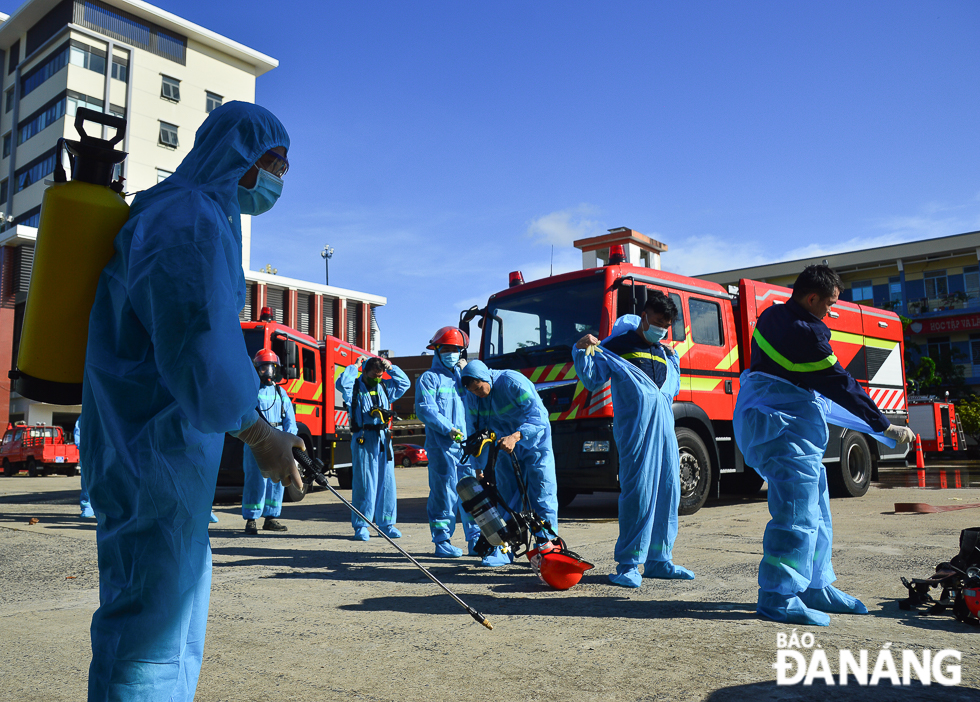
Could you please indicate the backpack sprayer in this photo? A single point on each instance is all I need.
(958, 580)
(501, 527)
(315, 468)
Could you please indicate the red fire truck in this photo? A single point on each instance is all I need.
(532, 327)
(310, 369)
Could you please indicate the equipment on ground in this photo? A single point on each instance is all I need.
(958, 580)
(501, 527)
(79, 221)
(315, 469)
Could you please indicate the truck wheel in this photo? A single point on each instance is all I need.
(695, 470)
(345, 478)
(745, 484)
(31, 467)
(851, 477)
(70, 470)
(8, 470)
(565, 497)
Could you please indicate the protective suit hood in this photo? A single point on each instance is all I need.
(478, 370)
(231, 140)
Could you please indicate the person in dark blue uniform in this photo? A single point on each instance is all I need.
(794, 382)
(645, 378)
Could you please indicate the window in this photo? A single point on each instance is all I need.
(3, 194)
(894, 289)
(6, 145)
(36, 77)
(162, 175)
(705, 322)
(971, 280)
(309, 364)
(936, 286)
(212, 101)
(76, 100)
(168, 135)
(14, 57)
(117, 111)
(46, 116)
(36, 170)
(9, 101)
(120, 69)
(861, 291)
(31, 218)
(170, 89)
(87, 57)
(121, 25)
(677, 332)
(940, 349)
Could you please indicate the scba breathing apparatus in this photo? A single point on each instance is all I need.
(958, 580)
(501, 527)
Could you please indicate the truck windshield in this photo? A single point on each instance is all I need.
(545, 318)
(254, 339)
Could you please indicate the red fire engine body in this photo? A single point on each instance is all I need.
(532, 327)
(310, 370)
(936, 424)
(37, 449)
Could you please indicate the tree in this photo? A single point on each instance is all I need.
(968, 411)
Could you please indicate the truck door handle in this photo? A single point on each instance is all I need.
(883, 324)
(728, 386)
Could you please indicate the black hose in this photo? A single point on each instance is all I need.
(312, 466)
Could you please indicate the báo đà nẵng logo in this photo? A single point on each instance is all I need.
(800, 660)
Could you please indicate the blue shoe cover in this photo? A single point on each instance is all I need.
(666, 570)
(789, 609)
(214, 517)
(470, 547)
(391, 532)
(444, 549)
(830, 599)
(88, 512)
(626, 576)
(497, 558)
(362, 534)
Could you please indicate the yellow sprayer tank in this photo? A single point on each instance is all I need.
(79, 222)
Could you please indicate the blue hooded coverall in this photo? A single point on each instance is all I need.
(166, 375)
(373, 488)
(514, 405)
(439, 405)
(643, 389)
(83, 499)
(262, 497)
(785, 397)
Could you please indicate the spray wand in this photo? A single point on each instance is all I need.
(315, 467)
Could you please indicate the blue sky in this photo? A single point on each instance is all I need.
(439, 145)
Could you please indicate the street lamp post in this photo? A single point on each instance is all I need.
(327, 254)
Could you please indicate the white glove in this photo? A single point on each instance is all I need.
(902, 435)
(462, 363)
(273, 451)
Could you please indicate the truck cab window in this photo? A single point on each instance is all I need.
(309, 365)
(706, 322)
(677, 332)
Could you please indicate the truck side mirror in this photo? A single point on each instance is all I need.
(639, 298)
(292, 360)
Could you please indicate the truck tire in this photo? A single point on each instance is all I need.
(565, 497)
(851, 476)
(345, 478)
(70, 470)
(8, 468)
(31, 467)
(695, 465)
(745, 484)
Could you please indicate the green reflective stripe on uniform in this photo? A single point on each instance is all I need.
(641, 354)
(779, 358)
(258, 506)
(441, 390)
(439, 525)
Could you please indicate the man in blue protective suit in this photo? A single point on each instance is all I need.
(369, 397)
(645, 378)
(508, 404)
(261, 496)
(166, 375)
(439, 405)
(794, 383)
(83, 499)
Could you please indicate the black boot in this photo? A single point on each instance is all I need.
(251, 527)
(272, 524)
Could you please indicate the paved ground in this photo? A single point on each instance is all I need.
(312, 615)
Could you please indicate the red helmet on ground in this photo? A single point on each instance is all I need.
(449, 336)
(265, 356)
(563, 569)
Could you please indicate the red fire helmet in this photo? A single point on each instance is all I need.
(265, 356)
(561, 568)
(449, 336)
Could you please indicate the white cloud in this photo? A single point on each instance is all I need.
(563, 227)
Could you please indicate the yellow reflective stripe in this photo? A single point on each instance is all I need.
(728, 361)
(641, 354)
(536, 373)
(699, 384)
(553, 417)
(880, 343)
(304, 409)
(683, 347)
(554, 372)
(846, 338)
(779, 358)
(319, 392)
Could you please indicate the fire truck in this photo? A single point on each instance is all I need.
(532, 327)
(310, 372)
(38, 449)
